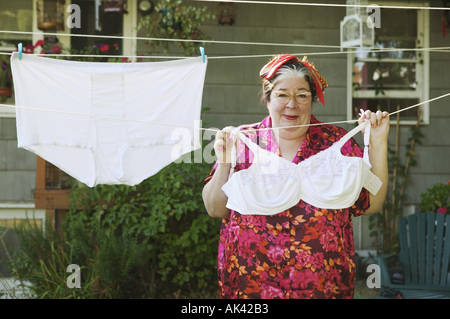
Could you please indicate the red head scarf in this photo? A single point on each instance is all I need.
(270, 68)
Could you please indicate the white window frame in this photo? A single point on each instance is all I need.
(130, 31)
(422, 70)
(7, 112)
(22, 212)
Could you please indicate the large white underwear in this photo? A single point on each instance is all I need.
(113, 142)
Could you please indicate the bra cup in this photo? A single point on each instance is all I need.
(277, 183)
(333, 179)
(269, 184)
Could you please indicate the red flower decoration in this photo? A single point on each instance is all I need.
(104, 48)
(56, 49)
(39, 43)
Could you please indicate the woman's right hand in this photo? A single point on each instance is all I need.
(213, 196)
(224, 144)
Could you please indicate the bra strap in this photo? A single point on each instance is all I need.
(350, 134)
(234, 134)
(353, 132)
(251, 145)
(366, 142)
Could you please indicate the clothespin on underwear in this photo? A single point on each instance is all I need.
(202, 51)
(19, 49)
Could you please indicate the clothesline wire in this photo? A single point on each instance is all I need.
(105, 55)
(209, 129)
(327, 4)
(354, 121)
(435, 49)
(102, 117)
(360, 50)
(169, 40)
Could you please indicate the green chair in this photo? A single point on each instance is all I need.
(424, 258)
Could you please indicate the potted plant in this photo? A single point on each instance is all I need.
(436, 199)
(5, 77)
(172, 19)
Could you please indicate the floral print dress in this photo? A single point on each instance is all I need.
(303, 252)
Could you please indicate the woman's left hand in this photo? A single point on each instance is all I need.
(379, 125)
(378, 152)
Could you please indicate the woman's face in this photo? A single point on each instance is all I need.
(294, 112)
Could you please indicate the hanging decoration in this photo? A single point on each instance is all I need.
(227, 13)
(355, 31)
(445, 20)
(145, 6)
(50, 15)
(167, 19)
(115, 6)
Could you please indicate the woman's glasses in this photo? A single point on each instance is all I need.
(300, 98)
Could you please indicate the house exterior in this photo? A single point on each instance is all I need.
(241, 44)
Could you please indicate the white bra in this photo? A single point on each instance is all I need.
(327, 179)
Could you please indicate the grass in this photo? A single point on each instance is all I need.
(364, 292)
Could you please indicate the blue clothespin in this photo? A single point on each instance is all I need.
(202, 51)
(19, 49)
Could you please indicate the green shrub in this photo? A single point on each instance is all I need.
(153, 240)
(436, 199)
(173, 19)
(106, 262)
(165, 213)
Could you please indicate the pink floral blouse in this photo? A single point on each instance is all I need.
(303, 252)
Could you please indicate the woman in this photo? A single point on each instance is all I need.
(304, 251)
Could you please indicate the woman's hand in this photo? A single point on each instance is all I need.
(213, 196)
(379, 132)
(224, 144)
(379, 125)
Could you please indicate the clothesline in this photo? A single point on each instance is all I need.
(351, 50)
(354, 121)
(103, 56)
(170, 40)
(212, 129)
(436, 49)
(328, 4)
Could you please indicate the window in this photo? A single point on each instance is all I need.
(16, 15)
(12, 216)
(110, 24)
(52, 186)
(392, 80)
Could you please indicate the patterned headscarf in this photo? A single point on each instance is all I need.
(270, 68)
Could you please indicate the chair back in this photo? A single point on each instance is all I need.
(425, 249)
